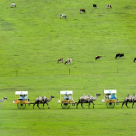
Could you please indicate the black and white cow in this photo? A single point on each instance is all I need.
(13, 5)
(108, 6)
(63, 15)
(98, 57)
(83, 10)
(94, 6)
(68, 61)
(119, 55)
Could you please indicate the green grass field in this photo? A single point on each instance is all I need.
(33, 37)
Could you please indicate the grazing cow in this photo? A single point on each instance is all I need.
(98, 57)
(94, 6)
(60, 59)
(108, 6)
(63, 15)
(83, 10)
(119, 55)
(13, 5)
(134, 59)
(68, 61)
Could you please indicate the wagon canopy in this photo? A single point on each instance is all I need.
(21, 93)
(66, 92)
(110, 91)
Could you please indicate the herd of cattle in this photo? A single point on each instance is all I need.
(68, 61)
(118, 55)
(83, 10)
(97, 57)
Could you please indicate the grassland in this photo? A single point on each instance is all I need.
(33, 37)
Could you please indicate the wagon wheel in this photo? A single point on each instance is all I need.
(65, 105)
(110, 104)
(21, 106)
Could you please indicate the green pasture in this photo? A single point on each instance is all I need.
(33, 37)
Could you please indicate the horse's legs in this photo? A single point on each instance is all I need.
(82, 105)
(126, 104)
(33, 105)
(133, 104)
(89, 105)
(122, 104)
(77, 104)
(38, 105)
(93, 105)
(43, 105)
(48, 105)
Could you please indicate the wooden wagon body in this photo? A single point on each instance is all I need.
(110, 98)
(66, 99)
(21, 99)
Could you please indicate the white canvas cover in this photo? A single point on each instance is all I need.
(21, 93)
(110, 91)
(66, 92)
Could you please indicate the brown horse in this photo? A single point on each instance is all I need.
(60, 59)
(83, 10)
(98, 57)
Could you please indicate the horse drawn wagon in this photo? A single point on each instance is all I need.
(66, 99)
(110, 98)
(21, 99)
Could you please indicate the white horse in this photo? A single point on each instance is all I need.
(13, 5)
(63, 15)
(68, 61)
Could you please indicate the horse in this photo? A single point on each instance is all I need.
(119, 55)
(98, 57)
(94, 6)
(13, 5)
(68, 61)
(60, 59)
(83, 10)
(134, 59)
(63, 15)
(108, 6)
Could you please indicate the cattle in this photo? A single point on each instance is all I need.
(94, 6)
(134, 59)
(60, 59)
(108, 6)
(119, 55)
(68, 61)
(83, 10)
(13, 5)
(98, 57)
(63, 16)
